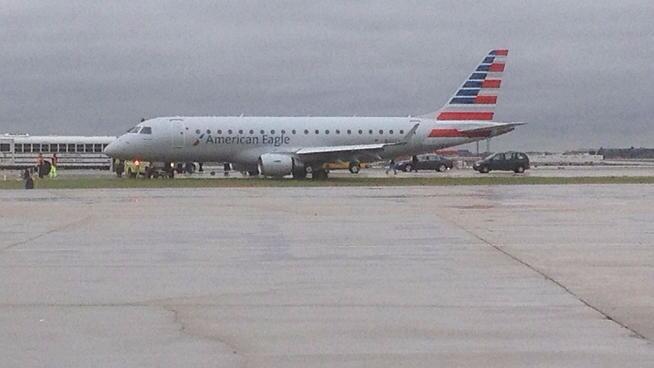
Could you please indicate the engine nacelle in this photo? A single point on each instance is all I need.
(276, 164)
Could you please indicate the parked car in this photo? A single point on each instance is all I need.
(425, 162)
(509, 161)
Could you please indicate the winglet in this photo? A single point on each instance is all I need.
(411, 132)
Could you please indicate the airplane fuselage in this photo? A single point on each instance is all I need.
(243, 140)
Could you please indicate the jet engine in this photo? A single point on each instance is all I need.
(276, 164)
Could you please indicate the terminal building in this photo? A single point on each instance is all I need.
(73, 152)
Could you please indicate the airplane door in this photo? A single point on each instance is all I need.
(179, 137)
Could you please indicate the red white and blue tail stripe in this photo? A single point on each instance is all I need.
(476, 99)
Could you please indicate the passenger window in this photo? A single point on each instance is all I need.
(370, 131)
(18, 148)
(80, 148)
(37, 147)
(4, 147)
(229, 131)
(89, 148)
(251, 131)
(306, 131)
(360, 131)
(240, 131)
(317, 131)
(45, 148)
(62, 148)
(283, 131)
(381, 131)
(272, 132)
(349, 131)
(53, 148)
(401, 131)
(71, 148)
(27, 147)
(293, 131)
(390, 132)
(326, 131)
(146, 130)
(219, 132)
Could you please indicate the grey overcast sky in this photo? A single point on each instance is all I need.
(579, 72)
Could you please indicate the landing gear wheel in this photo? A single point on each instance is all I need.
(354, 167)
(319, 174)
(189, 168)
(299, 173)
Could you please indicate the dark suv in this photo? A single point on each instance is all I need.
(425, 162)
(509, 161)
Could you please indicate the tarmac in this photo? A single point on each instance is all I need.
(479, 276)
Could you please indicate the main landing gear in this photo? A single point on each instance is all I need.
(321, 174)
(354, 167)
(299, 173)
(316, 174)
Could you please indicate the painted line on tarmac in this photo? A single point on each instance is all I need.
(547, 277)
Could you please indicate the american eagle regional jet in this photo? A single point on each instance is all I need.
(297, 146)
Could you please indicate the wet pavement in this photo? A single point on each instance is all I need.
(504, 276)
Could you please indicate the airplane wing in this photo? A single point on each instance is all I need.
(358, 152)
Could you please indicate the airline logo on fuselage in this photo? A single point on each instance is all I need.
(263, 139)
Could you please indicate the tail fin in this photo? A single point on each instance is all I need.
(476, 99)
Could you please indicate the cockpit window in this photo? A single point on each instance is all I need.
(134, 130)
(145, 130)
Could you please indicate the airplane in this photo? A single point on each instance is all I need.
(297, 146)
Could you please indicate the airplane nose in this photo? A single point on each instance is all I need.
(112, 149)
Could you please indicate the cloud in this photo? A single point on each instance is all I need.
(578, 71)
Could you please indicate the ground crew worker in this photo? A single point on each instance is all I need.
(53, 167)
(391, 166)
(39, 165)
(120, 168)
(29, 182)
(414, 163)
